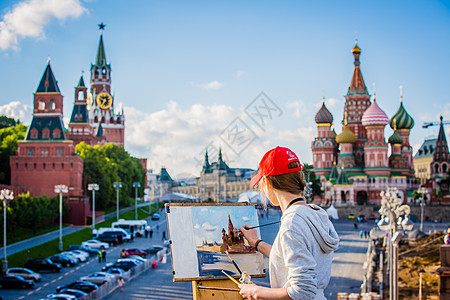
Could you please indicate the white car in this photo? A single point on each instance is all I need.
(98, 278)
(95, 244)
(25, 273)
(118, 272)
(77, 254)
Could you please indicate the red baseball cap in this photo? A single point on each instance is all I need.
(276, 162)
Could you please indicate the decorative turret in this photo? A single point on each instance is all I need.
(206, 166)
(346, 139)
(374, 115)
(404, 120)
(441, 157)
(324, 116)
(357, 85)
(395, 138)
(396, 160)
(334, 172)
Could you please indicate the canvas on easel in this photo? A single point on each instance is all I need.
(201, 233)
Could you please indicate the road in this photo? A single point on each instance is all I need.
(51, 280)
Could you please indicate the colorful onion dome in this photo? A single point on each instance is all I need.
(404, 120)
(324, 116)
(374, 116)
(346, 136)
(395, 138)
(356, 49)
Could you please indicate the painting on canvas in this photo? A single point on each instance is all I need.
(204, 234)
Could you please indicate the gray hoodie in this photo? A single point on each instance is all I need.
(302, 252)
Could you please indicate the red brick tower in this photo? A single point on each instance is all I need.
(376, 162)
(396, 160)
(101, 110)
(46, 157)
(357, 101)
(324, 146)
(441, 156)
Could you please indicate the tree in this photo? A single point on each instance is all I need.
(9, 139)
(107, 164)
(7, 122)
(310, 176)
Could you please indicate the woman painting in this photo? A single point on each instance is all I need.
(301, 256)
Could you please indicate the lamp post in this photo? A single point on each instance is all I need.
(117, 185)
(93, 187)
(422, 204)
(136, 185)
(60, 189)
(5, 196)
(395, 215)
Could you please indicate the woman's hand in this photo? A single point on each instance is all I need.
(250, 234)
(249, 291)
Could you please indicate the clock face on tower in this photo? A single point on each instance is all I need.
(104, 100)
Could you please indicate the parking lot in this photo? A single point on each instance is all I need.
(69, 274)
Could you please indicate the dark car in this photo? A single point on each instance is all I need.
(124, 265)
(112, 238)
(84, 286)
(91, 251)
(77, 293)
(42, 264)
(154, 249)
(63, 260)
(127, 252)
(15, 282)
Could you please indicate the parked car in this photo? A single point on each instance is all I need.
(15, 282)
(154, 249)
(25, 273)
(95, 244)
(98, 278)
(42, 264)
(70, 255)
(82, 256)
(91, 251)
(124, 265)
(77, 293)
(112, 238)
(59, 297)
(156, 216)
(85, 286)
(125, 235)
(63, 260)
(134, 251)
(351, 216)
(117, 272)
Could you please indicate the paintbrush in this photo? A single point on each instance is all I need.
(234, 263)
(231, 278)
(247, 228)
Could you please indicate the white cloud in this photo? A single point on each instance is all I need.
(213, 85)
(239, 74)
(332, 102)
(17, 110)
(298, 108)
(27, 19)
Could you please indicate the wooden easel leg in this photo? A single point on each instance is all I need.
(215, 290)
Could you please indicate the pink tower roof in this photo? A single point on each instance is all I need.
(374, 116)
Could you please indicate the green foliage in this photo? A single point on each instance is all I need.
(9, 138)
(310, 176)
(7, 122)
(106, 165)
(25, 216)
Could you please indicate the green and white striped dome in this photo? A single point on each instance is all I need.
(404, 120)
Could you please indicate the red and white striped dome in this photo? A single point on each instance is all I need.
(374, 116)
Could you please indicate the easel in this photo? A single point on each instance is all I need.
(215, 289)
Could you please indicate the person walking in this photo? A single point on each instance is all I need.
(164, 236)
(301, 255)
(104, 255)
(151, 232)
(120, 282)
(99, 255)
(447, 237)
(361, 234)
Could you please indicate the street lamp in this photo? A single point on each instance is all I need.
(394, 215)
(422, 204)
(5, 196)
(60, 189)
(93, 187)
(117, 185)
(136, 185)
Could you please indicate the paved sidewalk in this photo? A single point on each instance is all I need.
(41, 239)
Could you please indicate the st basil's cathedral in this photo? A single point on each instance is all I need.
(354, 166)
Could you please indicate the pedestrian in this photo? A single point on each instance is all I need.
(151, 232)
(120, 282)
(157, 227)
(361, 234)
(132, 233)
(146, 232)
(355, 225)
(301, 256)
(366, 234)
(447, 237)
(104, 255)
(99, 254)
(163, 236)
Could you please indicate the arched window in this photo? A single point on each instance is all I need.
(104, 71)
(52, 105)
(436, 168)
(444, 168)
(41, 104)
(56, 133)
(80, 95)
(95, 119)
(96, 71)
(103, 119)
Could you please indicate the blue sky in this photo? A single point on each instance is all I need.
(185, 70)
